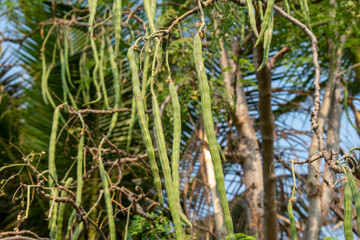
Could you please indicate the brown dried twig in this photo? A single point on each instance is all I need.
(19, 233)
(278, 56)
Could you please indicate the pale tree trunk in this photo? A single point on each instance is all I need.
(312, 188)
(216, 202)
(248, 148)
(332, 135)
(313, 226)
(267, 143)
(250, 162)
(332, 143)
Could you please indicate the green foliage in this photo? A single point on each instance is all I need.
(242, 236)
(331, 238)
(161, 227)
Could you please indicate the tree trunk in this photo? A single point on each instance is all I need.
(248, 148)
(314, 218)
(267, 143)
(250, 161)
(332, 142)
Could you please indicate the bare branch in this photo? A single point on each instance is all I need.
(278, 56)
(348, 69)
(17, 233)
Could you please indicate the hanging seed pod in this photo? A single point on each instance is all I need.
(267, 20)
(170, 187)
(107, 195)
(356, 195)
(292, 220)
(267, 42)
(209, 128)
(348, 211)
(251, 12)
(143, 122)
(61, 211)
(176, 138)
(117, 14)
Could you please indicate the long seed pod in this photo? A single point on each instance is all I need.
(102, 67)
(61, 211)
(63, 76)
(294, 9)
(251, 12)
(170, 187)
(127, 223)
(290, 204)
(348, 211)
(261, 10)
(132, 123)
(356, 195)
(183, 216)
(143, 122)
(117, 86)
(150, 13)
(115, 74)
(52, 146)
(176, 139)
(153, 7)
(46, 71)
(66, 56)
(292, 220)
(66, 91)
(84, 77)
(95, 71)
(145, 70)
(27, 201)
(107, 196)
(117, 14)
(79, 178)
(267, 42)
(307, 13)
(92, 9)
(209, 128)
(287, 6)
(54, 217)
(305, 10)
(267, 20)
(52, 166)
(76, 232)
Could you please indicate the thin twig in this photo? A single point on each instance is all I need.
(23, 232)
(188, 13)
(278, 55)
(348, 69)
